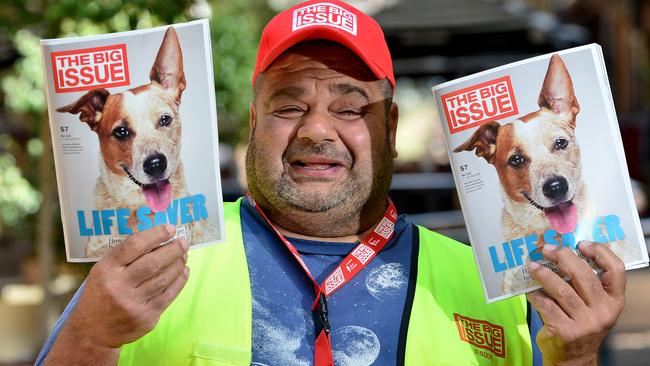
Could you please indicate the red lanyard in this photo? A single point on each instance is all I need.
(358, 258)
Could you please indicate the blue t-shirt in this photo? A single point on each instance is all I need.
(365, 315)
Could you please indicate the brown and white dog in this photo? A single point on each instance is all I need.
(537, 159)
(139, 133)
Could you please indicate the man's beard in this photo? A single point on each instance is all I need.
(350, 195)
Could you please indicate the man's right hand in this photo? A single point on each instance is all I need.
(125, 294)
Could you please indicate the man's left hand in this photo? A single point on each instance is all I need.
(577, 314)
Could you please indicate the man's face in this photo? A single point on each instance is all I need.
(322, 131)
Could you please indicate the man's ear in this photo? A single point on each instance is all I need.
(557, 91)
(483, 140)
(393, 116)
(167, 70)
(251, 122)
(90, 106)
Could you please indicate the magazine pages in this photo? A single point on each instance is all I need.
(134, 133)
(537, 159)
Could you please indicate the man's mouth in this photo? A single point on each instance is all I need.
(320, 167)
(314, 166)
(158, 195)
(562, 217)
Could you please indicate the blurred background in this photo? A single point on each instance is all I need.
(431, 41)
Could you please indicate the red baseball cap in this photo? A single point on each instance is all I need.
(331, 20)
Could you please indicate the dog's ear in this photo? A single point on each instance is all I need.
(484, 140)
(90, 106)
(557, 91)
(167, 70)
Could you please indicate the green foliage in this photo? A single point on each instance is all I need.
(47, 15)
(235, 36)
(18, 197)
(23, 87)
(24, 98)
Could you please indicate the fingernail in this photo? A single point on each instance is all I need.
(171, 229)
(532, 266)
(185, 258)
(186, 271)
(550, 247)
(185, 244)
(584, 244)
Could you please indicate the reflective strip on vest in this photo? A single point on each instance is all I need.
(210, 323)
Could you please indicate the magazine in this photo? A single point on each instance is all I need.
(537, 158)
(134, 133)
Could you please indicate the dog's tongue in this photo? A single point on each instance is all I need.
(563, 217)
(158, 195)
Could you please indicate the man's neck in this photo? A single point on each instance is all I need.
(334, 225)
(337, 239)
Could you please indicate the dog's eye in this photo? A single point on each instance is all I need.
(121, 133)
(561, 143)
(516, 161)
(165, 120)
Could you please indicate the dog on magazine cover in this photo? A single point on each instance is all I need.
(537, 160)
(139, 133)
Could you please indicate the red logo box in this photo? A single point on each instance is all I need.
(482, 334)
(477, 104)
(90, 68)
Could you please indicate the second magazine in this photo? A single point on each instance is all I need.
(134, 133)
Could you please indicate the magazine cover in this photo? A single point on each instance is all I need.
(537, 158)
(134, 132)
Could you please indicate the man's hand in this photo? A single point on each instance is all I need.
(577, 315)
(125, 294)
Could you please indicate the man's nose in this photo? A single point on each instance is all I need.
(317, 126)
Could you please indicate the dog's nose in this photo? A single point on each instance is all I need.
(555, 188)
(155, 165)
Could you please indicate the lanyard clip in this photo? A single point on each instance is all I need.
(322, 313)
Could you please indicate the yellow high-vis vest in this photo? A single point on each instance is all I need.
(210, 323)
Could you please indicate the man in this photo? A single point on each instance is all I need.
(283, 289)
